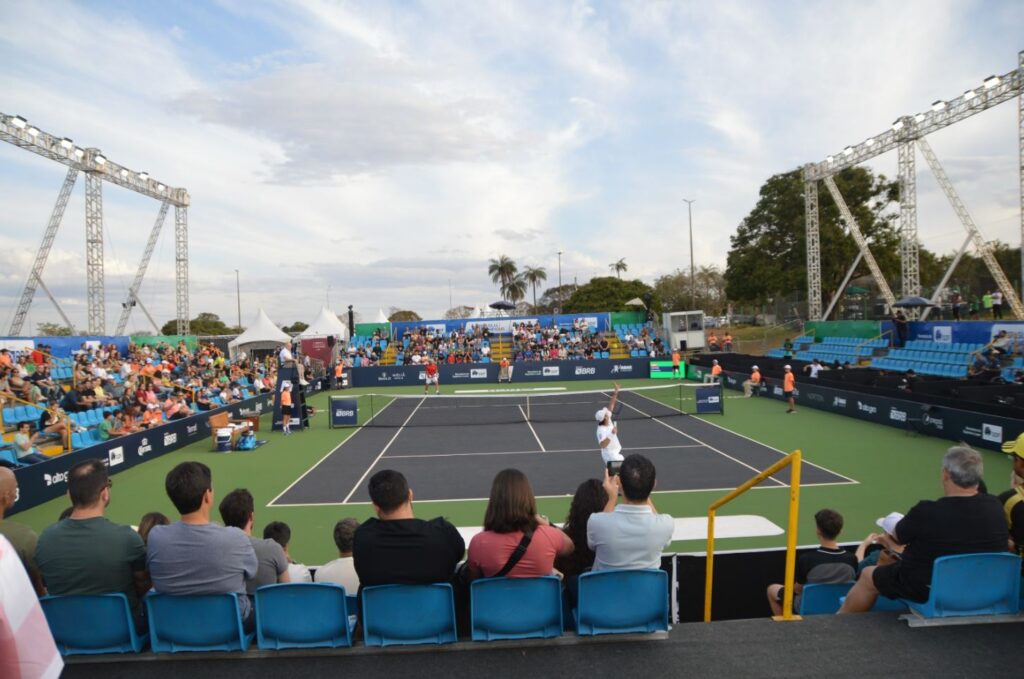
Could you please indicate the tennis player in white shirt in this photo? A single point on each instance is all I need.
(608, 434)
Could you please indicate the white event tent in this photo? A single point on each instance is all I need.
(326, 324)
(262, 334)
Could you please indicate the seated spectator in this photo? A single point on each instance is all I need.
(630, 534)
(963, 521)
(88, 554)
(279, 532)
(237, 510)
(871, 553)
(52, 422)
(398, 548)
(828, 564)
(342, 571)
(194, 556)
(516, 542)
(175, 409)
(590, 498)
(149, 520)
(24, 445)
(1012, 500)
(108, 427)
(152, 417)
(21, 537)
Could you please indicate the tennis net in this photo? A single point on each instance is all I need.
(405, 410)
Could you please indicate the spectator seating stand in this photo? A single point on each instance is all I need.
(91, 624)
(975, 586)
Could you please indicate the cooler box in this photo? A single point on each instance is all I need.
(224, 440)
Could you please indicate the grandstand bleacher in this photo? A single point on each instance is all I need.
(929, 358)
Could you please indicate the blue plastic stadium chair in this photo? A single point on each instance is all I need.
(972, 584)
(78, 441)
(303, 615)
(92, 623)
(8, 455)
(822, 599)
(515, 608)
(617, 601)
(93, 417)
(24, 414)
(408, 614)
(200, 622)
(8, 415)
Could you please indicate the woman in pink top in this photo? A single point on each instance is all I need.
(512, 510)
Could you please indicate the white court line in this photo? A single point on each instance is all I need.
(374, 463)
(537, 452)
(333, 450)
(567, 495)
(694, 438)
(532, 430)
(507, 391)
(780, 452)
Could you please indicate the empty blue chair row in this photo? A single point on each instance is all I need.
(8, 455)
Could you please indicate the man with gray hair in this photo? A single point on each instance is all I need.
(342, 571)
(962, 522)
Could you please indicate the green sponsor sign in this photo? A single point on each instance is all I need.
(661, 370)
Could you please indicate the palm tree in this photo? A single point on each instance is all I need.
(619, 266)
(533, 276)
(502, 270)
(515, 289)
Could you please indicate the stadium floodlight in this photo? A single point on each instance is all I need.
(160, 187)
(829, 160)
(144, 176)
(19, 122)
(79, 152)
(869, 141)
(938, 105)
(919, 118)
(848, 151)
(99, 159)
(969, 94)
(897, 125)
(123, 173)
(991, 81)
(66, 143)
(33, 131)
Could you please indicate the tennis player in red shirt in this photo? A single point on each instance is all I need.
(432, 377)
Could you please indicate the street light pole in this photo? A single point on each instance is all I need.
(238, 298)
(559, 281)
(693, 278)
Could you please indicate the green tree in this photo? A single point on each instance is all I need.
(552, 298)
(54, 330)
(769, 254)
(297, 326)
(204, 324)
(533, 276)
(400, 315)
(707, 293)
(618, 267)
(515, 289)
(607, 293)
(502, 271)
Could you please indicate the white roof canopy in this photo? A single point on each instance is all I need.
(262, 334)
(326, 324)
(381, 316)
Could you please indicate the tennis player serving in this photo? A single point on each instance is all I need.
(608, 435)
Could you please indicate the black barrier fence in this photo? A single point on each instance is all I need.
(979, 429)
(47, 480)
(522, 371)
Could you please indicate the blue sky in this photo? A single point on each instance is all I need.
(369, 153)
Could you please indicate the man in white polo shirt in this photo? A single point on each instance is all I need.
(608, 434)
(631, 534)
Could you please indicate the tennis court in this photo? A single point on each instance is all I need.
(450, 447)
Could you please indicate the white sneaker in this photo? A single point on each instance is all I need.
(304, 383)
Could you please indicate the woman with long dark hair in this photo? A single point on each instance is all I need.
(590, 497)
(512, 526)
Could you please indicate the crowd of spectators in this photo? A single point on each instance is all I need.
(533, 342)
(144, 388)
(457, 346)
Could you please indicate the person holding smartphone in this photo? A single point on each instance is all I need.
(608, 435)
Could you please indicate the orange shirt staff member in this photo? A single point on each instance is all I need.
(753, 383)
(286, 407)
(675, 364)
(788, 385)
(433, 376)
(716, 373)
(504, 370)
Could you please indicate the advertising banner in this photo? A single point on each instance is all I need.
(662, 370)
(976, 429)
(47, 480)
(344, 412)
(949, 332)
(710, 399)
(523, 371)
(596, 322)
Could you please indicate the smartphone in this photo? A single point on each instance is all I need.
(613, 468)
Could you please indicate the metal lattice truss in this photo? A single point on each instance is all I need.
(97, 168)
(904, 132)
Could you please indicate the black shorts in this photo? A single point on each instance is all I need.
(787, 394)
(286, 410)
(888, 582)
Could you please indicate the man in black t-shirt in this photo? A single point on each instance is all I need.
(398, 549)
(828, 564)
(963, 522)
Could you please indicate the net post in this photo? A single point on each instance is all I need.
(721, 395)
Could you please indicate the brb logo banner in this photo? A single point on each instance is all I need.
(709, 399)
(344, 412)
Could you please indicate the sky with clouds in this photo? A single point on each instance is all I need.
(379, 153)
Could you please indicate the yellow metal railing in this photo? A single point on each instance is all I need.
(792, 461)
(68, 424)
